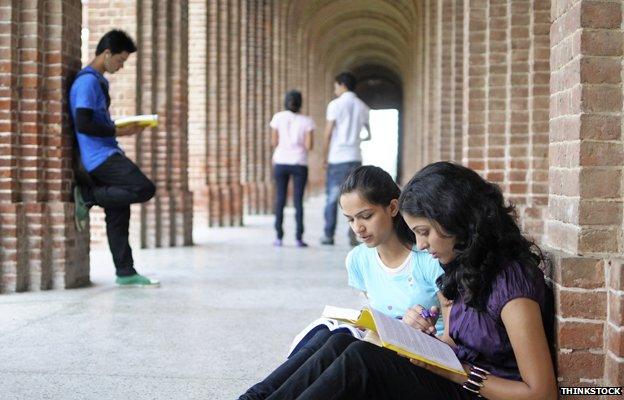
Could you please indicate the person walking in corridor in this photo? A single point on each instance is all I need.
(292, 138)
(346, 116)
(116, 182)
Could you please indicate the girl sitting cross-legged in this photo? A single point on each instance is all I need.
(498, 309)
(386, 267)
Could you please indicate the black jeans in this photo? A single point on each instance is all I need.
(117, 183)
(281, 173)
(347, 368)
(271, 383)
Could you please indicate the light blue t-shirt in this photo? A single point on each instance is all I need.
(87, 92)
(393, 291)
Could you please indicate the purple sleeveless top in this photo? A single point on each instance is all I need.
(481, 337)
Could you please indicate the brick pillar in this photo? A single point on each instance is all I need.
(585, 193)
(254, 189)
(270, 106)
(533, 215)
(248, 140)
(40, 248)
(447, 81)
(431, 139)
(198, 113)
(262, 93)
(154, 81)
(458, 78)
(517, 161)
(475, 78)
(179, 231)
(498, 82)
(436, 77)
(217, 90)
(426, 85)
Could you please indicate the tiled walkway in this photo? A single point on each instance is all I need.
(222, 319)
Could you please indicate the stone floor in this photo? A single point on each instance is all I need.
(224, 317)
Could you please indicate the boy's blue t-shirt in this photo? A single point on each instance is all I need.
(390, 293)
(86, 92)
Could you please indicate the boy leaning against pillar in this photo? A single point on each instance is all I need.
(116, 182)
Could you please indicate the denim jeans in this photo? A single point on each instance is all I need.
(281, 173)
(336, 174)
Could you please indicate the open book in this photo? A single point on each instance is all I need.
(148, 120)
(309, 331)
(400, 337)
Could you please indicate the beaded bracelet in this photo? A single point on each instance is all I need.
(476, 376)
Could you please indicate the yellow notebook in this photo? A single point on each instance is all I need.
(395, 335)
(148, 120)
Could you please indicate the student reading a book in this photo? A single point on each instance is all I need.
(498, 319)
(116, 182)
(387, 267)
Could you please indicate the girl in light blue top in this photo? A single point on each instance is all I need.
(386, 267)
(393, 274)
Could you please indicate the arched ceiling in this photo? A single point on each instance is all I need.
(345, 34)
(378, 86)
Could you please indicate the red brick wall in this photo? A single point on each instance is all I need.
(39, 248)
(585, 195)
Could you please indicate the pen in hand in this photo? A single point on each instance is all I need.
(426, 314)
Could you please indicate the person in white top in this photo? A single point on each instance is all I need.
(292, 138)
(346, 116)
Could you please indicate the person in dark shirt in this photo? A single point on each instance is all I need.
(495, 303)
(116, 181)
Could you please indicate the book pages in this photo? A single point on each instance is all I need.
(343, 314)
(416, 344)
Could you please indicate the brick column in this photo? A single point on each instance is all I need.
(533, 215)
(263, 92)
(249, 95)
(517, 161)
(415, 103)
(436, 78)
(40, 47)
(217, 90)
(431, 139)
(198, 113)
(458, 80)
(498, 83)
(475, 79)
(585, 193)
(447, 81)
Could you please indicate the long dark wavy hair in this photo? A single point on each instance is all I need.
(377, 187)
(472, 210)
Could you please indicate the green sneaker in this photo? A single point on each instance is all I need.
(81, 211)
(136, 280)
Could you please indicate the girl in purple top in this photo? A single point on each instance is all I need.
(497, 306)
